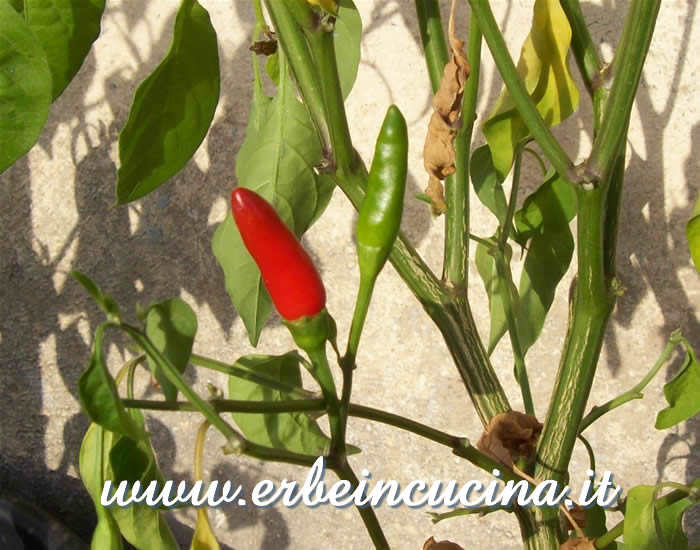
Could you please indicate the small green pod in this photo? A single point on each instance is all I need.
(380, 214)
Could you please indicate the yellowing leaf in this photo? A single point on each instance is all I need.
(328, 5)
(546, 76)
(204, 538)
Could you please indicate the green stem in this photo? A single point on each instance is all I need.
(293, 43)
(634, 393)
(323, 375)
(231, 405)
(432, 36)
(369, 518)
(323, 50)
(510, 212)
(245, 374)
(522, 100)
(456, 270)
(582, 46)
(364, 298)
(627, 70)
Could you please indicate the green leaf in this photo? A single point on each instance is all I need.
(595, 522)
(487, 183)
(124, 459)
(172, 109)
(495, 289)
(204, 538)
(291, 431)
(99, 397)
(171, 326)
(544, 221)
(543, 68)
(682, 394)
(692, 233)
(66, 30)
(272, 67)
(641, 529)
(346, 40)
(25, 87)
(277, 160)
(144, 527)
(92, 461)
(671, 523)
(105, 303)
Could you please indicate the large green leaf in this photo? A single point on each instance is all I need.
(641, 529)
(543, 68)
(100, 399)
(291, 431)
(346, 40)
(692, 233)
(171, 326)
(544, 221)
(277, 160)
(25, 86)
(172, 109)
(124, 459)
(671, 523)
(682, 394)
(66, 30)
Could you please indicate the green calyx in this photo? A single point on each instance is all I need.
(311, 333)
(380, 215)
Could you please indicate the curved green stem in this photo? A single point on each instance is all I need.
(364, 298)
(634, 393)
(522, 100)
(231, 405)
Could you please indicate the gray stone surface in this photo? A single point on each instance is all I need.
(55, 216)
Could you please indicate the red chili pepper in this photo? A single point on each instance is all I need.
(289, 274)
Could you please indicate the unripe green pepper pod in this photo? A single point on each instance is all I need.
(380, 217)
(380, 214)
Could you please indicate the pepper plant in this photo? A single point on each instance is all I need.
(286, 174)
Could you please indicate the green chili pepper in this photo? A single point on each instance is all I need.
(380, 216)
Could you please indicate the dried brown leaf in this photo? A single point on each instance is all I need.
(436, 194)
(578, 514)
(578, 544)
(510, 435)
(438, 152)
(432, 544)
(264, 47)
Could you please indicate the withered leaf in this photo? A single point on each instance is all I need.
(579, 516)
(578, 544)
(432, 544)
(264, 47)
(436, 194)
(510, 435)
(438, 152)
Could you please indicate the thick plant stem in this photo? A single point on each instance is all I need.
(522, 100)
(627, 70)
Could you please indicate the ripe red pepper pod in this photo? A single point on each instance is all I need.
(289, 274)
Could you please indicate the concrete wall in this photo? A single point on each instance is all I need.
(55, 216)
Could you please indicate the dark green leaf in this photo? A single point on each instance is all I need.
(171, 326)
(18, 5)
(495, 289)
(66, 30)
(172, 108)
(641, 523)
(277, 160)
(682, 394)
(671, 524)
(291, 431)
(99, 397)
(25, 87)
(595, 522)
(346, 40)
(487, 184)
(105, 303)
